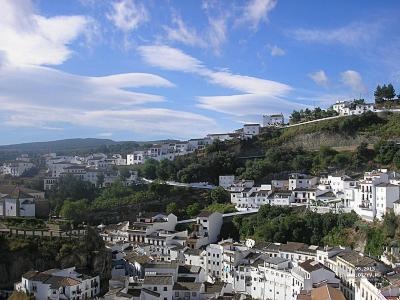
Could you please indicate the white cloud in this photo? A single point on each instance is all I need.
(353, 80)
(49, 87)
(216, 35)
(28, 38)
(169, 58)
(276, 51)
(259, 94)
(352, 34)
(50, 99)
(176, 60)
(319, 77)
(127, 15)
(248, 84)
(182, 33)
(248, 104)
(256, 11)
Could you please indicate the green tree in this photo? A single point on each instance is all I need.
(220, 195)
(389, 92)
(193, 210)
(396, 159)
(378, 94)
(295, 117)
(165, 170)
(172, 208)
(149, 169)
(74, 210)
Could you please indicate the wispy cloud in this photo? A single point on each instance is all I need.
(127, 15)
(319, 77)
(258, 94)
(256, 11)
(50, 98)
(169, 58)
(353, 80)
(352, 34)
(275, 50)
(180, 32)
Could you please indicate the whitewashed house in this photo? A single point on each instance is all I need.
(302, 181)
(312, 273)
(16, 201)
(273, 120)
(206, 230)
(251, 130)
(17, 168)
(57, 284)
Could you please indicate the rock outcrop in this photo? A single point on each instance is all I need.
(19, 255)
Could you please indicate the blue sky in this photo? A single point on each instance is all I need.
(143, 70)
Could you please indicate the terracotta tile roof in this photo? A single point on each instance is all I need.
(327, 293)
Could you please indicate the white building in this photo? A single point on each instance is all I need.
(311, 273)
(251, 130)
(386, 195)
(302, 181)
(346, 265)
(273, 120)
(347, 108)
(17, 168)
(18, 201)
(365, 196)
(136, 158)
(206, 229)
(59, 284)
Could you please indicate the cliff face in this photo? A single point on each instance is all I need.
(18, 255)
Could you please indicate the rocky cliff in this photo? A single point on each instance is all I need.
(19, 255)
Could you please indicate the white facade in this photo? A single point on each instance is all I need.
(206, 229)
(386, 195)
(301, 181)
(251, 130)
(59, 284)
(16, 169)
(347, 108)
(273, 120)
(17, 204)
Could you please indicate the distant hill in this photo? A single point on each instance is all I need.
(75, 145)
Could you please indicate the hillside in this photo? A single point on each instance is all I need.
(77, 146)
(349, 144)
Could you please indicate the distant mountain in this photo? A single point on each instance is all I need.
(78, 145)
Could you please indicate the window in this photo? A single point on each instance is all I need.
(155, 289)
(165, 288)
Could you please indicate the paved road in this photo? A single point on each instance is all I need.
(198, 185)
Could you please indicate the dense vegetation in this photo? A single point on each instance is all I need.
(81, 202)
(310, 115)
(283, 224)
